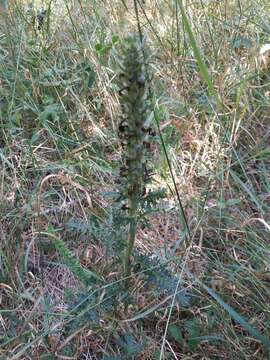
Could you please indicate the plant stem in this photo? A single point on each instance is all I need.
(131, 241)
(131, 238)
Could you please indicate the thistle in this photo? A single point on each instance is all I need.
(134, 132)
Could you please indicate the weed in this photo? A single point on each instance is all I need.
(200, 260)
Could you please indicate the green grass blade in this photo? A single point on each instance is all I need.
(246, 190)
(203, 69)
(238, 318)
(197, 54)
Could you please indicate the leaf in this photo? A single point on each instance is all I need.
(197, 54)
(194, 332)
(230, 202)
(166, 355)
(102, 49)
(246, 189)
(241, 42)
(153, 308)
(72, 262)
(238, 318)
(176, 333)
(98, 47)
(50, 113)
(69, 259)
(129, 345)
(115, 39)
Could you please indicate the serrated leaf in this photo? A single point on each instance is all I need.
(175, 332)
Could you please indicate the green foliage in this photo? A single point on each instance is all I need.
(84, 275)
(129, 346)
(239, 319)
(103, 48)
(241, 42)
(161, 278)
(176, 334)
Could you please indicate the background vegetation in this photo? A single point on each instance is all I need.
(200, 271)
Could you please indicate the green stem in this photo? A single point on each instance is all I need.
(131, 242)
